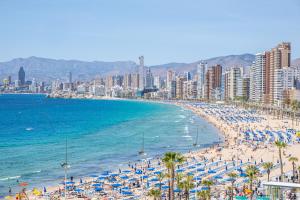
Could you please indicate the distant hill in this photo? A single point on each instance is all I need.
(50, 69)
(296, 62)
(226, 61)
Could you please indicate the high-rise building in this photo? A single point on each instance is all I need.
(201, 70)
(135, 80)
(149, 81)
(280, 57)
(127, 81)
(243, 87)
(188, 76)
(9, 80)
(169, 84)
(141, 73)
(157, 82)
(284, 81)
(21, 76)
(232, 80)
(179, 87)
(257, 78)
(70, 77)
(213, 82)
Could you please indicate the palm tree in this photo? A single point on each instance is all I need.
(252, 172)
(299, 174)
(268, 166)
(293, 160)
(208, 184)
(156, 194)
(171, 160)
(233, 177)
(295, 107)
(202, 194)
(179, 177)
(160, 177)
(187, 185)
(280, 145)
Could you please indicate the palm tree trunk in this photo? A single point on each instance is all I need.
(231, 195)
(268, 175)
(169, 184)
(172, 183)
(251, 195)
(281, 165)
(293, 163)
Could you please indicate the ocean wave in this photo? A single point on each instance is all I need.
(186, 136)
(9, 178)
(29, 129)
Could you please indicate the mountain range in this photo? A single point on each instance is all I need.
(45, 69)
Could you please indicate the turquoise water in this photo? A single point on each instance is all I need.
(101, 135)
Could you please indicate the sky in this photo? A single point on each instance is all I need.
(162, 30)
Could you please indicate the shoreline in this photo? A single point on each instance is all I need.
(53, 187)
(231, 148)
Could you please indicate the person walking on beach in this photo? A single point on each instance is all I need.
(9, 191)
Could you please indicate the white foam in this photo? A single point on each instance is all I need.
(9, 178)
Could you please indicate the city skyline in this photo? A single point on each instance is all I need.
(111, 31)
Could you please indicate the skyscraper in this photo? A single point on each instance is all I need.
(201, 69)
(213, 82)
(149, 79)
(234, 74)
(21, 76)
(170, 85)
(157, 82)
(188, 76)
(141, 73)
(70, 77)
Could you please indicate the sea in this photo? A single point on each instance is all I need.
(38, 134)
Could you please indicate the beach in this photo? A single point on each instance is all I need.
(234, 154)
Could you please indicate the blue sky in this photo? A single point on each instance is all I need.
(161, 30)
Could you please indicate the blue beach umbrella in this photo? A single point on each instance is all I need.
(179, 170)
(165, 187)
(116, 185)
(200, 169)
(101, 178)
(144, 177)
(126, 171)
(132, 179)
(218, 177)
(157, 172)
(138, 172)
(151, 168)
(124, 177)
(211, 171)
(177, 190)
(154, 179)
(97, 184)
(78, 190)
(126, 193)
(98, 189)
(112, 174)
(158, 184)
(204, 188)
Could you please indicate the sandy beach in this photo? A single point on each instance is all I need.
(234, 150)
